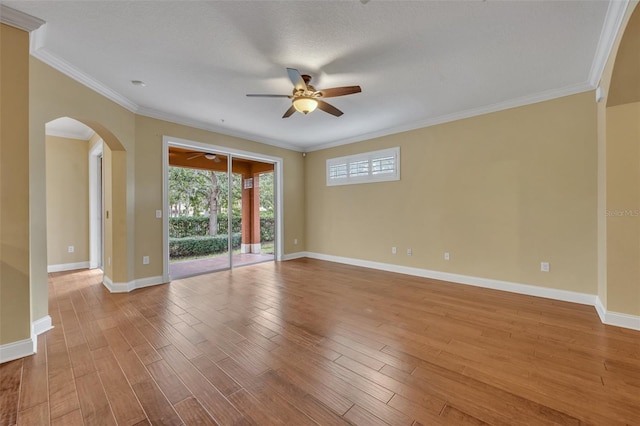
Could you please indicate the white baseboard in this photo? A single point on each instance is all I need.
(148, 282)
(616, 318)
(15, 350)
(25, 347)
(131, 285)
(606, 317)
(296, 255)
(68, 267)
(601, 310)
(41, 325)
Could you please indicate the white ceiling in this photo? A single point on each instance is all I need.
(418, 62)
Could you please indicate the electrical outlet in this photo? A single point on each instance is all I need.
(544, 266)
(394, 250)
(109, 261)
(158, 214)
(71, 249)
(446, 256)
(295, 241)
(145, 260)
(409, 252)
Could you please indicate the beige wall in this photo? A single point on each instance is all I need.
(500, 192)
(623, 208)
(15, 324)
(148, 189)
(67, 172)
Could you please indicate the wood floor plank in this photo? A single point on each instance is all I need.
(209, 396)
(252, 408)
(168, 381)
(34, 378)
(360, 416)
(216, 375)
(73, 418)
(35, 415)
(192, 413)
(304, 402)
(93, 400)
(159, 410)
(63, 397)
(10, 378)
(123, 402)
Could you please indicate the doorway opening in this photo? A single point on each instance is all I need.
(222, 208)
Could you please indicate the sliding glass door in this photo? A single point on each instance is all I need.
(221, 211)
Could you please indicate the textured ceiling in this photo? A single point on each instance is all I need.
(418, 62)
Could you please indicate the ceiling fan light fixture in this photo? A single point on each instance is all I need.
(210, 156)
(305, 104)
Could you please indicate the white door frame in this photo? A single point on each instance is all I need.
(95, 207)
(168, 141)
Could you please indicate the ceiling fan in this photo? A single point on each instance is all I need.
(306, 98)
(206, 155)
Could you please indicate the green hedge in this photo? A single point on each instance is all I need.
(202, 245)
(191, 226)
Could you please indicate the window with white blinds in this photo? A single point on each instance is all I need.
(375, 166)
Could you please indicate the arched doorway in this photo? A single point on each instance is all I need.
(85, 193)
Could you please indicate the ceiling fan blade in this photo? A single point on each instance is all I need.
(296, 79)
(195, 156)
(252, 95)
(339, 91)
(289, 112)
(329, 108)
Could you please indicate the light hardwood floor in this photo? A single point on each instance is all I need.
(311, 342)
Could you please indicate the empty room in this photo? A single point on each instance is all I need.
(354, 212)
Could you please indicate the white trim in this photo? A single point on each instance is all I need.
(15, 350)
(148, 282)
(296, 255)
(20, 20)
(26, 347)
(610, 28)
(132, 285)
(67, 267)
(616, 318)
(95, 206)
(622, 320)
(473, 112)
(38, 51)
(41, 325)
(116, 287)
(197, 124)
(601, 310)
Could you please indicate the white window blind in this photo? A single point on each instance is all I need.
(375, 166)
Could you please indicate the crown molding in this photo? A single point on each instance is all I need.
(18, 19)
(610, 29)
(197, 124)
(473, 112)
(39, 52)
